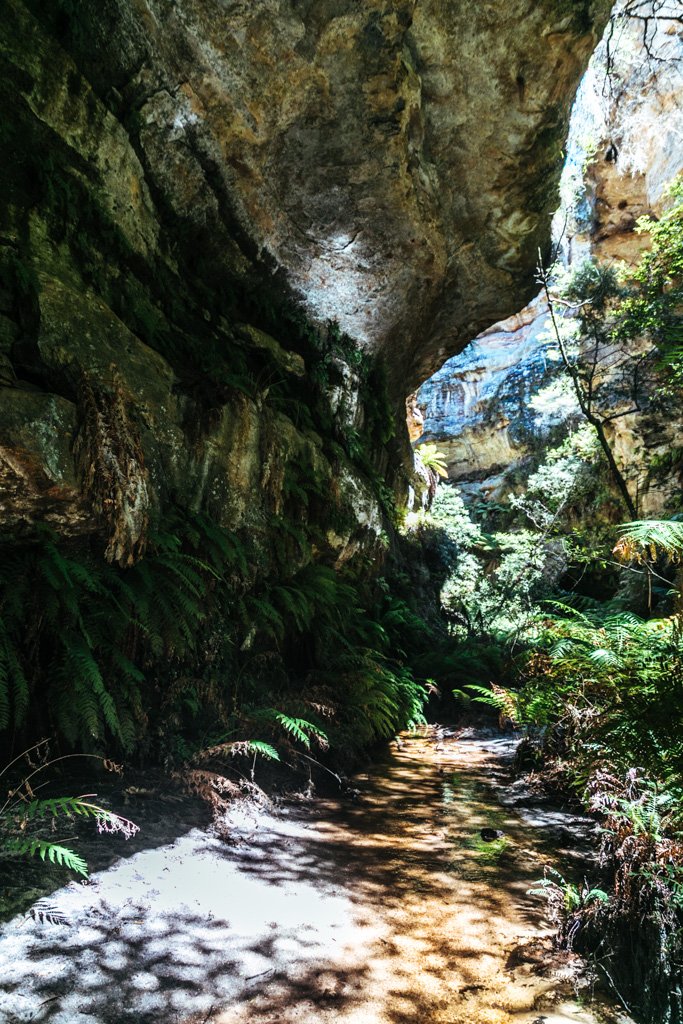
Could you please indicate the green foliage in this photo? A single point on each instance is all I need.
(18, 817)
(56, 854)
(77, 635)
(380, 415)
(655, 305)
(591, 287)
(564, 483)
(641, 854)
(334, 350)
(24, 817)
(266, 750)
(597, 684)
(648, 816)
(611, 682)
(568, 904)
(490, 582)
(613, 306)
(571, 897)
(225, 652)
(433, 459)
(298, 728)
(647, 538)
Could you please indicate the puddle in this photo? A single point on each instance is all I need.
(389, 910)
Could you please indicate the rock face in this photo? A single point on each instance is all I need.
(483, 408)
(490, 408)
(180, 168)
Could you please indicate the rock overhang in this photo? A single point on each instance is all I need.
(396, 162)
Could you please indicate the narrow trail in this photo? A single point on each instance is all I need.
(388, 911)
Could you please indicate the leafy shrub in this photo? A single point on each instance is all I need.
(605, 687)
(654, 305)
(76, 634)
(490, 582)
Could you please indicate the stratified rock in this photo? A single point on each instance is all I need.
(398, 162)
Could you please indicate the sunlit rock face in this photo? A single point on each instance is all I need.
(492, 406)
(623, 150)
(624, 145)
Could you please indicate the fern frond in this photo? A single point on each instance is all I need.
(644, 539)
(56, 854)
(261, 614)
(433, 459)
(89, 685)
(66, 806)
(298, 728)
(264, 749)
(606, 658)
(485, 695)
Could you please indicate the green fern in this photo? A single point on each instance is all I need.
(614, 680)
(23, 815)
(89, 642)
(266, 750)
(433, 459)
(298, 728)
(645, 539)
(56, 854)
(72, 622)
(63, 806)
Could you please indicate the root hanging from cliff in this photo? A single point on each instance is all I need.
(110, 459)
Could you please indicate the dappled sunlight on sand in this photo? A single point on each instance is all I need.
(389, 910)
(452, 909)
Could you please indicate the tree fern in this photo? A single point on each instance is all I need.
(644, 539)
(433, 459)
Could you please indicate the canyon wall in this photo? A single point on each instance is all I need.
(493, 408)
